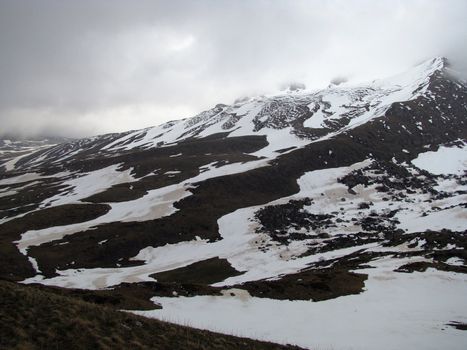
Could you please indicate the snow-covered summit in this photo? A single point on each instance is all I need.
(303, 113)
(287, 119)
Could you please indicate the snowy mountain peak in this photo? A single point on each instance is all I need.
(437, 63)
(287, 120)
(418, 75)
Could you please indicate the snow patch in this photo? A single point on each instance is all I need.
(399, 311)
(446, 160)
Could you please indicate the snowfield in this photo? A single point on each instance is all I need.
(85, 185)
(397, 311)
(446, 160)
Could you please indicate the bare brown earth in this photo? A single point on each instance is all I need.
(313, 285)
(202, 272)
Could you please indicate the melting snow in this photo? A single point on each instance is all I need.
(396, 311)
(88, 184)
(446, 160)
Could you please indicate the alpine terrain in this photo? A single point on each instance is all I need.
(332, 218)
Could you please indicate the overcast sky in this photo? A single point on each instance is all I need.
(79, 68)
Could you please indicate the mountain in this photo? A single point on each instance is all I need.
(327, 218)
(13, 148)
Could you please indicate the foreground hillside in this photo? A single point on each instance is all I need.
(32, 318)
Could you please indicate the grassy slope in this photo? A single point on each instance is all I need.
(32, 318)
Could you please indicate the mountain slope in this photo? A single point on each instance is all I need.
(13, 148)
(306, 195)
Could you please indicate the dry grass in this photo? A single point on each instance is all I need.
(31, 318)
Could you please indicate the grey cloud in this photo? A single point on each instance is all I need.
(84, 67)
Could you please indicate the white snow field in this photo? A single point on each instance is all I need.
(396, 311)
(85, 185)
(446, 160)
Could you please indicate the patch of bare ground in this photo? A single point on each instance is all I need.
(422, 266)
(202, 272)
(313, 285)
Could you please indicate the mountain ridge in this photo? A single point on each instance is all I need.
(263, 211)
(308, 126)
